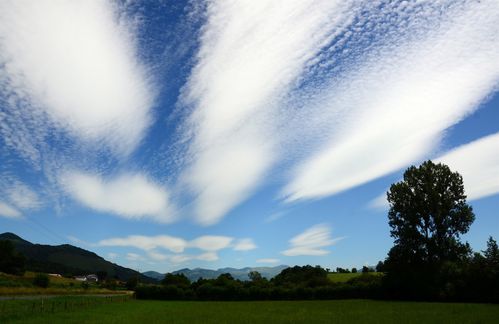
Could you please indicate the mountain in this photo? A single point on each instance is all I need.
(68, 260)
(154, 275)
(241, 274)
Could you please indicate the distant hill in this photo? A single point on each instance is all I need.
(241, 274)
(68, 260)
(154, 275)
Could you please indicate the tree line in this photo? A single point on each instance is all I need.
(427, 217)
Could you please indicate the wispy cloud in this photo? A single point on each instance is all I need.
(23, 197)
(250, 54)
(73, 65)
(271, 261)
(208, 243)
(131, 196)
(134, 257)
(146, 243)
(312, 242)
(9, 211)
(396, 102)
(244, 244)
(478, 163)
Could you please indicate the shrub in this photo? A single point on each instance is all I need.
(41, 280)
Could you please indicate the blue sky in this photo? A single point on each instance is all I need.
(240, 133)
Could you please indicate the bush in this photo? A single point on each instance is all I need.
(41, 280)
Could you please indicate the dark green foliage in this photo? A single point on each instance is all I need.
(354, 270)
(11, 261)
(132, 283)
(255, 276)
(428, 213)
(305, 282)
(307, 276)
(341, 270)
(41, 280)
(177, 280)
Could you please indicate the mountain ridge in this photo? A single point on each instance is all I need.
(68, 260)
(237, 273)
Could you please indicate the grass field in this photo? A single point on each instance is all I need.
(344, 277)
(340, 311)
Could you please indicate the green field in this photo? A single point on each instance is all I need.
(344, 277)
(340, 311)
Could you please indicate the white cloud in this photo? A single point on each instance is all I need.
(148, 243)
(208, 243)
(244, 244)
(274, 216)
(23, 197)
(272, 261)
(134, 257)
(130, 196)
(478, 163)
(208, 256)
(312, 242)
(9, 211)
(75, 62)
(380, 202)
(156, 256)
(390, 109)
(250, 53)
(211, 242)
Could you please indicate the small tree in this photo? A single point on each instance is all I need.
(178, 280)
(354, 270)
(255, 276)
(41, 280)
(492, 254)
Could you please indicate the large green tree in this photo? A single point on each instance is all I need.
(428, 213)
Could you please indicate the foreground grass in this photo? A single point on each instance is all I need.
(339, 311)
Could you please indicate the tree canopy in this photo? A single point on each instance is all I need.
(428, 213)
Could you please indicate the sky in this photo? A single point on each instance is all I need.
(172, 134)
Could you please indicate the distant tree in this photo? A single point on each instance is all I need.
(102, 275)
(365, 269)
(492, 254)
(41, 280)
(11, 261)
(224, 279)
(306, 276)
(380, 267)
(255, 276)
(132, 283)
(354, 270)
(178, 280)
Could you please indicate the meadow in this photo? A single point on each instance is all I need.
(338, 311)
(344, 277)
